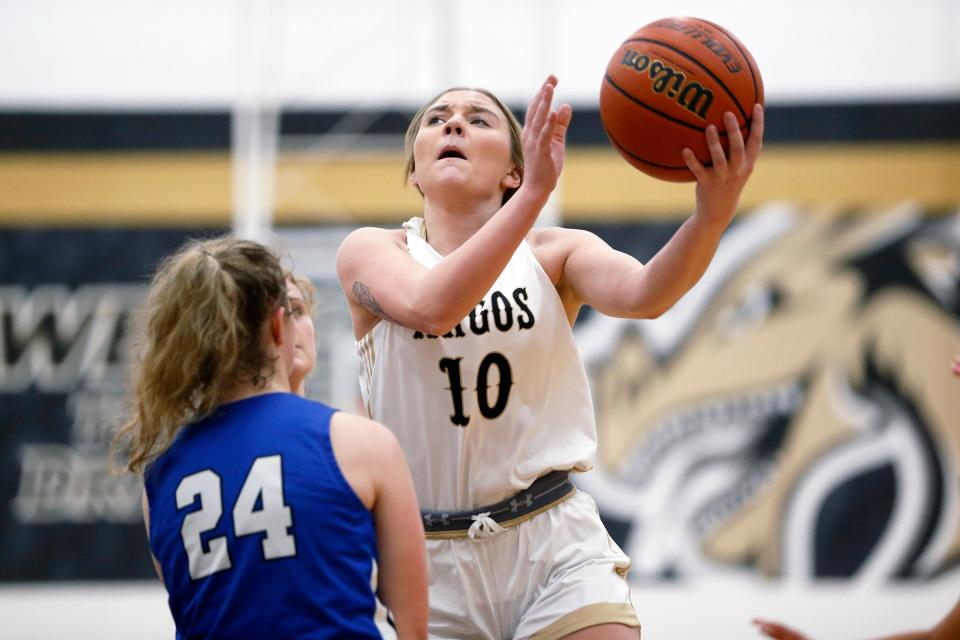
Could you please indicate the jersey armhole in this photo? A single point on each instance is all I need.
(542, 272)
(369, 334)
(335, 470)
(148, 490)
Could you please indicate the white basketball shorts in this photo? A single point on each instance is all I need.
(544, 578)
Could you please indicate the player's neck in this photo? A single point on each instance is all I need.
(247, 389)
(450, 223)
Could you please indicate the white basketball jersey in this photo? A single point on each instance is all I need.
(486, 409)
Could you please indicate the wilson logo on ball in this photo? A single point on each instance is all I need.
(693, 96)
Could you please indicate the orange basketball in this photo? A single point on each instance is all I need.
(666, 83)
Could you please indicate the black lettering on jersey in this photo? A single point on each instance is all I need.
(525, 319)
(451, 367)
(503, 311)
(479, 322)
(499, 302)
(505, 375)
(456, 332)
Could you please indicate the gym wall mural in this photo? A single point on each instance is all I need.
(793, 417)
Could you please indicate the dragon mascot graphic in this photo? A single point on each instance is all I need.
(794, 416)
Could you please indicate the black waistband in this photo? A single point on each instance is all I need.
(544, 491)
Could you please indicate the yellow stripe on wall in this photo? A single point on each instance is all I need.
(180, 189)
(122, 188)
(599, 185)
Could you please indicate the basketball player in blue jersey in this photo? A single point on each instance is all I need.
(265, 511)
(302, 296)
(463, 325)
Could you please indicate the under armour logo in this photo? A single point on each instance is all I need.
(526, 501)
(430, 519)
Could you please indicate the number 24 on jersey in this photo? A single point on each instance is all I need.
(264, 480)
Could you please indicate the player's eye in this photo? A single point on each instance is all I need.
(480, 122)
(434, 120)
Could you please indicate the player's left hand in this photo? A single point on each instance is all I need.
(544, 139)
(719, 185)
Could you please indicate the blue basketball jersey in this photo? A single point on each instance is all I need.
(256, 530)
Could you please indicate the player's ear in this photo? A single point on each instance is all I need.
(412, 181)
(513, 178)
(277, 325)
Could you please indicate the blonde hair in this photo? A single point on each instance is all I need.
(306, 287)
(200, 334)
(516, 144)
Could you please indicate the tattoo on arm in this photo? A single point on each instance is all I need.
(363, 295)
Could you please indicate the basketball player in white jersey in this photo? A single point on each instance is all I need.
(463, 321)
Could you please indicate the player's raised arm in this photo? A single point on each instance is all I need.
(452, 143)
(619, 285)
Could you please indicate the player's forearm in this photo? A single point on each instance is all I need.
(676, 267)
(409, 611)
(451, 289)
(411, 631)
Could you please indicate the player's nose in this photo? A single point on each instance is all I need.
(453, 125)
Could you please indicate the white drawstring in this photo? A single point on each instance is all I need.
(483, 526)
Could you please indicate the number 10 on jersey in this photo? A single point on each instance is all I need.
(451, 367)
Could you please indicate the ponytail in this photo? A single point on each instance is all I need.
(201, 329)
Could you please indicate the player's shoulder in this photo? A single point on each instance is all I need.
(365, 237)
(363, 242)
(362, 434)
(553, 245)
(554, 237)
